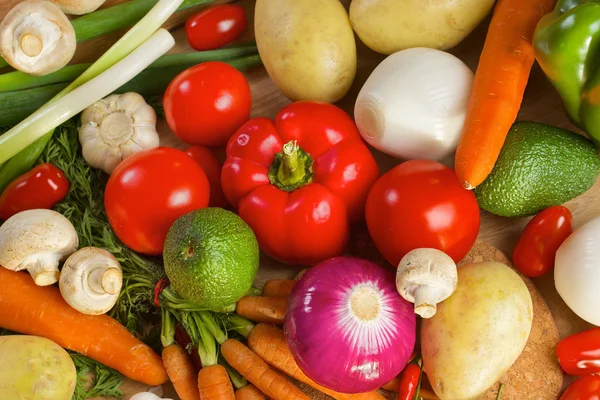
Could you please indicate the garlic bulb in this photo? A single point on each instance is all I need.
(36, 37)
(116, 127)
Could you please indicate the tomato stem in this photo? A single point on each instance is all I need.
(292, 168)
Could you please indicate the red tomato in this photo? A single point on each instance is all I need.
(212, 168)
(215, 27)
(41, 187)
(148, 191)
(535, 252)
(204, 105)
(421, 203)
(586, 388)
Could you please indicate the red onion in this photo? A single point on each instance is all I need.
(348, 327)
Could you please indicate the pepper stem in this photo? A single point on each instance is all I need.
(292, 168)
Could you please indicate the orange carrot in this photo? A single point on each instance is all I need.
(41, 311)
(498, 88)
(268, 341)
(253, 368)
(278, 287)
(392, 385)
(214, 383)
(181, 372)
(249, 392)
(262, 309)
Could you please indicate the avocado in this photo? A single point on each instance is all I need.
(539, 166)
(211, 257)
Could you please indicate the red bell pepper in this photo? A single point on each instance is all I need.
(299, 180)
(586, 388)
(579, 354)
(41, 187)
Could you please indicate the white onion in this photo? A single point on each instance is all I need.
(413, 105)
(577, 271)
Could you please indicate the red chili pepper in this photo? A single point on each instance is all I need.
(579, 354)
(41, 187)
(535, 252)
(586, 388)
(300, 180)
(409, 381)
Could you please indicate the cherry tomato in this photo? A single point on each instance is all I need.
(421, 203)
(148, 191)
(215, 27)
(536, 249)
(204, 105)
(41, 187)
(212, 168)
(586, 388)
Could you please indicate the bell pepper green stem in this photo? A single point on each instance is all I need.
(292, 168)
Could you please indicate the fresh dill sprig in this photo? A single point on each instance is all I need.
(84, 207)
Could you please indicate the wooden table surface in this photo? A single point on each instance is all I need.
(541, 103)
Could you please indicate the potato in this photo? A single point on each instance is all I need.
(388, 26)
(307, 47)
(478, 333)
(35, 368)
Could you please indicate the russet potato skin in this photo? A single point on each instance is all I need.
(477, 333)
(35, 368)
(307, 47)
(388, 26)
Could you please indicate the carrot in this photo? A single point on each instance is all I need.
(278, 287)
(253, 368)
(249, 392)
(269, 343)
(262, 309)
(392, 385)
(181, 372)
(498, 88)
(41, 311)
(214, 383)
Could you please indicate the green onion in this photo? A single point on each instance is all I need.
(16, 80)
(111, 19)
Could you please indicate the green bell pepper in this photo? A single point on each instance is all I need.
(567, 47)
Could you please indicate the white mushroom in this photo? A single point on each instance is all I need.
(78, 7)
(91, 280)
(36, 241)
(426, 277)
(36, 37)
(116, 127)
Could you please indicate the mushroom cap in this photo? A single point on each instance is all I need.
(426, 267)
(34, 236)
(37, 23)
(78, 7)
(91, 280)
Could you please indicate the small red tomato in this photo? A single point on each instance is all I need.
(148, 191)
(215, 27)
(212, 168)
(586, 388)
(421, 203)
(41, 187)
(535, 252)
(204, 105)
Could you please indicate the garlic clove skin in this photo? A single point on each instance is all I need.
(116, 127)
(36, 37)
(91, 280)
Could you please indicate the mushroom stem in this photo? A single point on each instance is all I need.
(426, 298)
(43, 273)
(105, 280)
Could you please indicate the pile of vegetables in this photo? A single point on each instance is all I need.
(123, 258)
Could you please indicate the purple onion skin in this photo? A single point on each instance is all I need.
(333, 346)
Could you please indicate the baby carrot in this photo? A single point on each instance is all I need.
(278, 287)
(253, 368)
(498, 88)
(214, 383)
(181, 372)
(268, 341)
(249, 392)
(41, 311)
(262, 309)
